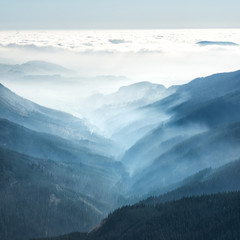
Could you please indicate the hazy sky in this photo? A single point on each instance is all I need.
(112, 14)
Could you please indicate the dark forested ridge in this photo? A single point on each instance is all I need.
(205, 217)
(33, 202)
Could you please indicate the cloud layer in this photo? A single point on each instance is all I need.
(118, 40)
(167, 57)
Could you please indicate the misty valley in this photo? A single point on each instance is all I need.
(142, 161)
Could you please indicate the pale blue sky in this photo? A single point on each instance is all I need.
(112, 14)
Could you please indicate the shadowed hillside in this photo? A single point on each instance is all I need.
(206, 217)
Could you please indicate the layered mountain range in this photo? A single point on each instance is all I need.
(60, 175)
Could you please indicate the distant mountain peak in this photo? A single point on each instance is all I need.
(219, 43)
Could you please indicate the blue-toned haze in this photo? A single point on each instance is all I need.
(105, 60)
(149, 99)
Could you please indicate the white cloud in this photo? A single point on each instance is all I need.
(163, 56)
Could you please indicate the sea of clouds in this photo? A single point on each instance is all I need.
(118, 41)
(163, 56)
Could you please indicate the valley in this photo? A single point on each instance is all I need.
(146, 146)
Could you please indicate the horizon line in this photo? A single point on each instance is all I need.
(115, 29)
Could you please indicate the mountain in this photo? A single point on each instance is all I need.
(33, 116)
(179, 142)
(210, 43)
(143, 221)
(79, 168)
(188, 96)
(119, 115)
(208, 181)
(206, 217)
(203, 116)
(137, 94)
(34, 68)
(36, 117)
(210, 149)
(56, 87)
(210, 115)
(43, 145)
(34, 203)
(54, 179)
